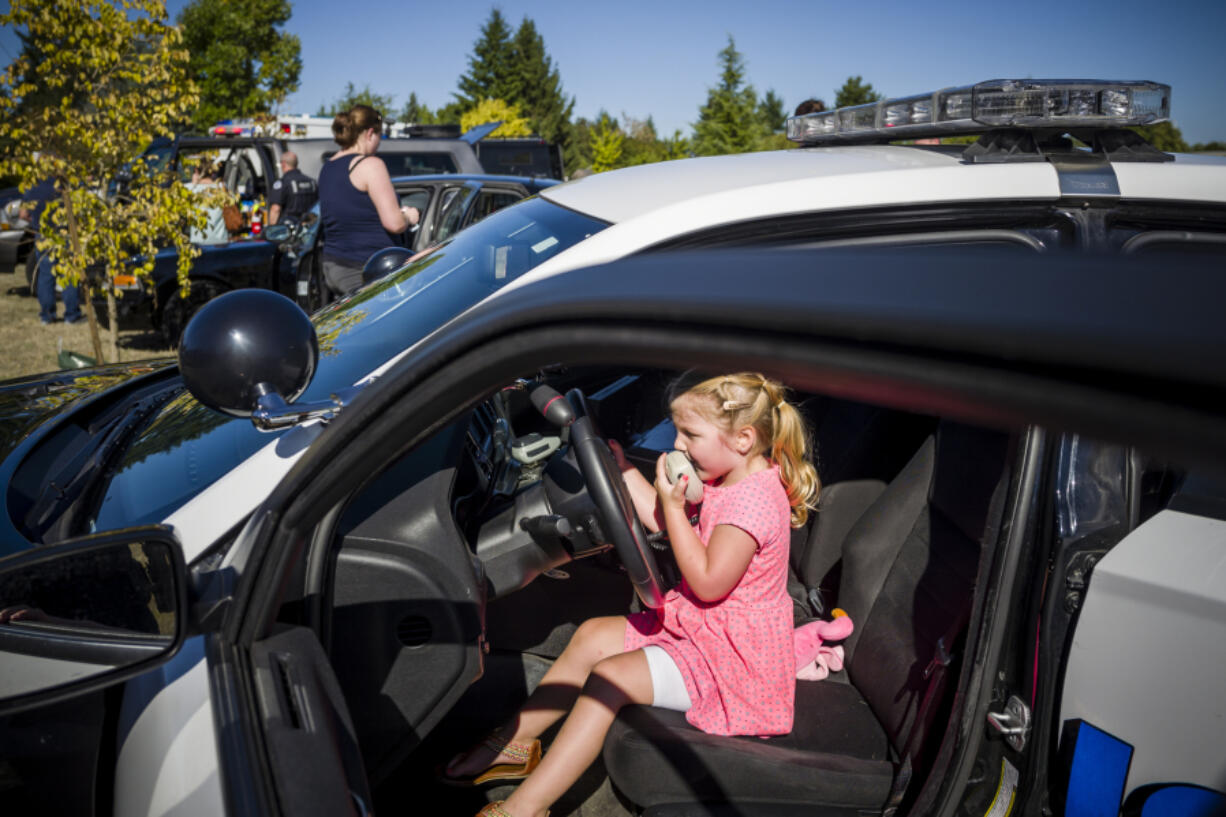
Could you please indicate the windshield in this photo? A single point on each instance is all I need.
(187, 447)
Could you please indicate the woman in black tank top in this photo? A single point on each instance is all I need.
(357, 203)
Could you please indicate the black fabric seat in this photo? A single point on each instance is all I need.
(909, 568)
(859, 449)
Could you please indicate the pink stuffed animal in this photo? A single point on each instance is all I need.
(814, 659)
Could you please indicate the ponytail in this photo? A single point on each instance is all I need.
(749, 399)
(348, 125)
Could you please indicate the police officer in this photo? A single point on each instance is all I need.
(294, 193)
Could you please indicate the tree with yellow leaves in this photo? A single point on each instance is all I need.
(495, 110)
(97, 81)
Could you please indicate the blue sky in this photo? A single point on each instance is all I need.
(659, 58)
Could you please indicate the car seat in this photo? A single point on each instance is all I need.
(858, 449)
(910, 567)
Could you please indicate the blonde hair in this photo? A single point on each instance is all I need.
(734, 401)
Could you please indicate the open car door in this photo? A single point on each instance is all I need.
(1141, 708)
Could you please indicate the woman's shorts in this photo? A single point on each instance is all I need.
(340, 277)
(667, 684)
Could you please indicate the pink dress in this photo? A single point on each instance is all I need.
(735, 654)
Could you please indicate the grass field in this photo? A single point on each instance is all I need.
(31, 348)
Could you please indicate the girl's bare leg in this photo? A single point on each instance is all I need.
(613, 683)
(593, 641)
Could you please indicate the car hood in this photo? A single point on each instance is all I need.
(27, 403)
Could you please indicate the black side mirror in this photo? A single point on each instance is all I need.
(388, 259)
(248, 349)
(82, 615)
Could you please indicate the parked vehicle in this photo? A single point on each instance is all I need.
(16, 239)
(434, 154)
(1025, 395)
(448, 203)
(360, 620)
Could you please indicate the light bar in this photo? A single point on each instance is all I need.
(998, 103)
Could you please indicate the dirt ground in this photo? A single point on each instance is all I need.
(32, 348)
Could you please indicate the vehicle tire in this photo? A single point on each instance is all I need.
(179, 310)
(312, 293)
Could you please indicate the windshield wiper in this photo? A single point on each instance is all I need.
(54, 512)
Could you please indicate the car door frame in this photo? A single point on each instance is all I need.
(975, 369)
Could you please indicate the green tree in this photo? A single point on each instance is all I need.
(607, 139)
(1164, 136)
(729, 122)
(770, 108)
(540, 87)
(415, 113)
(495, 110)
(353, 96)
(244, 64)
(643, 144)
(580, 155)
(135, 68)
(855, 91)
(490, 66)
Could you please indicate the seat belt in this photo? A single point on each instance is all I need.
(934, 673)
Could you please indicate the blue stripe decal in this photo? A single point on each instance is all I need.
(1174, 800)
(139, 691)
(1097, 773)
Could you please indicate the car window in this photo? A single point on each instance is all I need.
(451, 211)
(415, 198)
(157, 158)
(186, 447)
(517, 158)
(490, 201)
(413, 164)
(240, 176)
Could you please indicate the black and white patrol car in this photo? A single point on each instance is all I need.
(322, 556)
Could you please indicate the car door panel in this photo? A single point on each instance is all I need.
(406, 605)
(1141, 703)
(310, 740)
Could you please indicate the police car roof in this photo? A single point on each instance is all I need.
(708, 191)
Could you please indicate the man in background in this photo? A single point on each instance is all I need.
(293, 194)
(35, 201)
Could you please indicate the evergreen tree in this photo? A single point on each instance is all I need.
(729, 122)
(491, 72)
(580, 154)
(540, 87)
(771, 109)
(352, 96)
(415, 113)
(855, 91)
(451, 113)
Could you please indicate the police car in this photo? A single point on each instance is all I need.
(325, 556)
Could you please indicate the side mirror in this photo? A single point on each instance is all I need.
(247, 351)
(82, 615)
(388, 259)
(277, 233)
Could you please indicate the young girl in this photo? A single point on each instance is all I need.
(720, 649)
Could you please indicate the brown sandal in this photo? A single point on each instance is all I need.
(525, 755)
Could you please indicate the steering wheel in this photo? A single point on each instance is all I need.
(608, 490)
